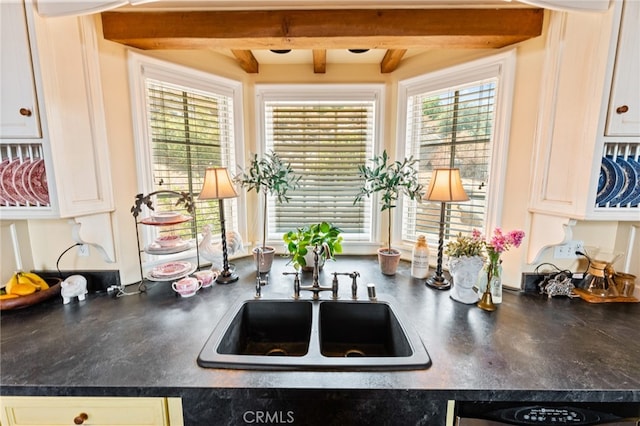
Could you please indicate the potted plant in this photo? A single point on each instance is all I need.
(465, 263)
(300, 244)
(268, 176)
(390, 179)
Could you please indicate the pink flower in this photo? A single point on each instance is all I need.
(501, 242)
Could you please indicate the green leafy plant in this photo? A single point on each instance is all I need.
(268, 175)
(390, 179)
(465, 246)
(298, 241)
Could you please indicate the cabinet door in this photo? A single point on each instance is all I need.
(53, 411)
(18, 102)
(624, 108)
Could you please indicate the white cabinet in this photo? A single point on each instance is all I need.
(19, 115)
(571, 139)
(95, 411)
(623, 118)
(68, 96)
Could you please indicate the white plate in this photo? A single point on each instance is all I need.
(154, 248)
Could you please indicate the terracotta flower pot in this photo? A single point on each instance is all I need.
(388, 261)
(266, 258)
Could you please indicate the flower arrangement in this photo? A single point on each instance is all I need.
(475, 245)
(498, 244)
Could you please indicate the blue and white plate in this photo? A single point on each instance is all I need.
(629, 181)
(602, 179)
(634, 197)
(612, 181)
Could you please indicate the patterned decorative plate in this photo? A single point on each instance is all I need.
(6, 180)
(629, 183)
(38, 182)
(3, 198)
(613, 181)
(23, 194)
(171, 271)
(634, 197)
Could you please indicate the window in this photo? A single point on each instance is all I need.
(188, 125)
(324, 132)
(457, 118)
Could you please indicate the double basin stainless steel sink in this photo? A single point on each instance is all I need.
(347, 335)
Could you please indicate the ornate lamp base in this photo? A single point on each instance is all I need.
(439, 283)
(227, 278)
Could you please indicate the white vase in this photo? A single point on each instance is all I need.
(464, 273)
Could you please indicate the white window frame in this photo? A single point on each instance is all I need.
(142, 67)
(365, 244)
(502, 66)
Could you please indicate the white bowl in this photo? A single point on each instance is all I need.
(169, 241)
(163, 217)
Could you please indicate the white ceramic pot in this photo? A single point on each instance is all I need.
(266, 258)
(464, 273)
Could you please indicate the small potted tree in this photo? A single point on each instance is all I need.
(390, 180)
(268, 176)
(300, 244)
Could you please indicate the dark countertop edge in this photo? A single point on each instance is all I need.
(530, 395)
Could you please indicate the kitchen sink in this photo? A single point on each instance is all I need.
(280, 334)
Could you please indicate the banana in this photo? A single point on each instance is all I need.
(8, 296)
(25, 283)
(36, 280)
(11, 283)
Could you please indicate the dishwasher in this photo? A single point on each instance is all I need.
(468, 413)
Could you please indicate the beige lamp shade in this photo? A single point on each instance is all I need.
(217, 185)
(446, 186)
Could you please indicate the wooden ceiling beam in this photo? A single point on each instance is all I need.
(246, 60)
(319, 61)
(391, 60)
(326, 29)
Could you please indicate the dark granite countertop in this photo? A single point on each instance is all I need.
(531, 348)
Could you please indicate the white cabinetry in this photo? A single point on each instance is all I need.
(19, 116)
(68, 96)
(591, 69)
(571, 140)
(623, 118)
(95, 411)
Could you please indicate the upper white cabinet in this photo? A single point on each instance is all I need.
(623, 118)
(51, 77)
(19, 116)
(574, 140)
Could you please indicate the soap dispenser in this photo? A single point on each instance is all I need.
(420, 258)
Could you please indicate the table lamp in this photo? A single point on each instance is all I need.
(445, 186)
(218, 186)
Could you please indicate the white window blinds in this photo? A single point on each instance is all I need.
(451, 127)
(190, 130)
(324, 141)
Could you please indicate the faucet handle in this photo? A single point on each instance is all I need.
(296, 284)
(354, 284)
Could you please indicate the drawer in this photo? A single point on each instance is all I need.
(94, 411)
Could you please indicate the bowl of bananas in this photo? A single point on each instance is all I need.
(27, 288)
